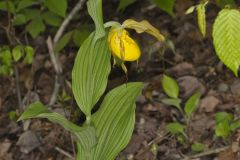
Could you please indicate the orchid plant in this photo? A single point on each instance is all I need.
(107, 131)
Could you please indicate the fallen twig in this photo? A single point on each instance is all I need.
(54, 58)
(18, 88)
(207, 153)
(67, 20)
(65, 153)
(156, 140)
(57, 68)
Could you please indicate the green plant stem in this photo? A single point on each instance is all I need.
(18, 88)
(185, 135)
(188, 121)
(88, 120)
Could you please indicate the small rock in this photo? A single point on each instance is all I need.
(208, 104)
(182, 69)
(149, 108)
(201, 124)
(235, 87)
(28, 141)
(227, 106)
(222, 87)
(141, 99)
(227, 154)
(135, 144)
(235, 147)
(5, 146)
(189, 85)
(62, 111)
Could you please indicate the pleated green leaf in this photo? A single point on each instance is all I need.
(226, 38)
(90, 72)
(86, 136)
(95, 11)
(201, 14)
(114, 122)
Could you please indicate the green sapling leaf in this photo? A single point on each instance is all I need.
(223, 129)
(175, 128)
(172, 102)
(223, 116)
(170, 86)
(197, 147)
(191, 104)
(235, 125)
(202, 17)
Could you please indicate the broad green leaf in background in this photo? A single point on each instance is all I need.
(170, 86)
(201, 14)
(6, 57)
(17, 52)
(6, 70)
(19, 19)
(223, 116)
(226, 38)
(31, 14)
(7, 6)
(123, 4)
(95, 11)
(90, 72)
(35, 27)
(51, 19)
(29, 52)
(197, 147)
(172, 102)
(57, 6)
(114, 121)
(64, 40)
(223, 3)
(85, 135)
(175, 128)
(24, 4)
(165, 5)
(191, 104)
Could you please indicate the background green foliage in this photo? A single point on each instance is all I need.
(226, 31)
(165, 5)
(36, 14)
(10, 56)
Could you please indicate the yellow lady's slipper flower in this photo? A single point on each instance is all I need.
(122, 46)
